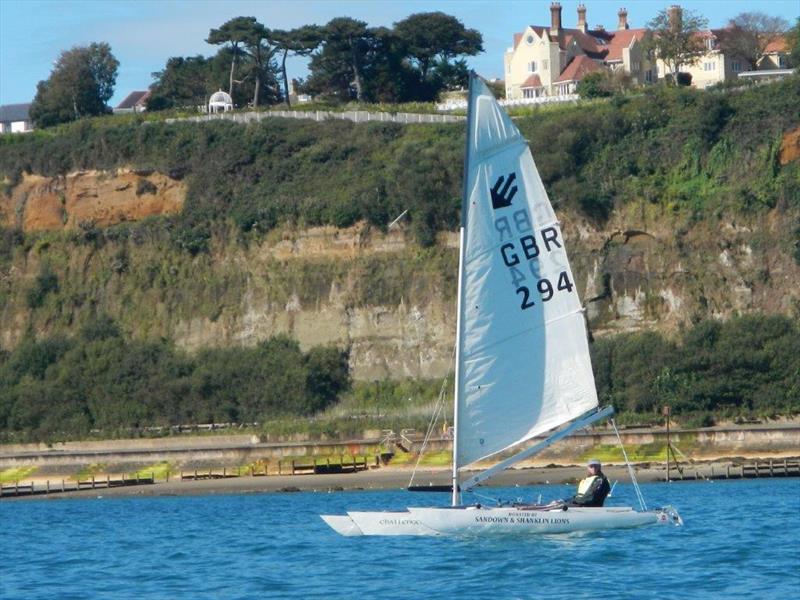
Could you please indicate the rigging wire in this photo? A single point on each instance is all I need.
(432, 423)
(639, 495)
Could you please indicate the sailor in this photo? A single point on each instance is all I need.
(593, 489)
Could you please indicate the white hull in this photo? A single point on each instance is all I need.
(503, 520)
(342, 524)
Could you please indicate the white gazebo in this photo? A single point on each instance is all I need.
(220, 102)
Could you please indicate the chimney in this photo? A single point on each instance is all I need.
(675, 18)
(555, 19)
(582, 18)
(623, 19)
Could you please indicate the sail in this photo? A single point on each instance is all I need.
(523, 365)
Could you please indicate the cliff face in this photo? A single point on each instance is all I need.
(103, 198)
(391, 302)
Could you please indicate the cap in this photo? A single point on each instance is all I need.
(593, 462)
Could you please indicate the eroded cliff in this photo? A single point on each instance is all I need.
(389, 301)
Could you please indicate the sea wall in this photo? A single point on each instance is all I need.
(235, 450)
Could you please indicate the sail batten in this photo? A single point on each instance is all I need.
(524, 363)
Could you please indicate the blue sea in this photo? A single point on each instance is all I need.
(740, 540)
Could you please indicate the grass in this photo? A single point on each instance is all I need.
(160, 470)
(442, 458)
(90, 471)
(16, 474)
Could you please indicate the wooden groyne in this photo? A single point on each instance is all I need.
(306, 466)
(750, 470)
(55, 487)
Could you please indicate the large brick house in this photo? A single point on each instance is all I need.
(551, 60)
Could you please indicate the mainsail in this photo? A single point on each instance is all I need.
(523, 362)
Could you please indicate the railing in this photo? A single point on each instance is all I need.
(357, 116)
(462, 104)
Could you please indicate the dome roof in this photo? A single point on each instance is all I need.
(220, 97)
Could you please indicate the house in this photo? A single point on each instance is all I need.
(133, 103)
(15, 118)
(776, 56)
(552, 60)
(714, 66)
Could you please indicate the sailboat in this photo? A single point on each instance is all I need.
(522, 365)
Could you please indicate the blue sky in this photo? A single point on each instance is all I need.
(144, 33)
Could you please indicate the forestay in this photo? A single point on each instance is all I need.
(524, 363)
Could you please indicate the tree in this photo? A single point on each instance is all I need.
(339, 67)
(749, 34)
(80, 85)
(793, 41)
(675, 37)
(433, 39)
(260, 53)
(389, 76)
(183, 82)
(601, 84)
(300, 42)
(235, 32)
(593, 85)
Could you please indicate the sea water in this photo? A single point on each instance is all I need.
(740, 540)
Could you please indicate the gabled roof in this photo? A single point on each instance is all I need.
(578, 68)
(595, 43)
(14, 112)
(134, 99)
(777, 45)
(532, 82)
(623, 39)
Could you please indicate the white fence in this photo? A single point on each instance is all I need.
(357, 116)
(461, 104)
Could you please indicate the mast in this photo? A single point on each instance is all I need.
(462, 238)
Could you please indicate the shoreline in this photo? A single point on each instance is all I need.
(385, 478)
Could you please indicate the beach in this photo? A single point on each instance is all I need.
(385, 478)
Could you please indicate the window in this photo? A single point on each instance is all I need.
(532, 66)
(709, 66)
(737, 66)
(544, 65)
(782, 62)
(508, 68)
(648, 76)
(635, 66)
(529, 39)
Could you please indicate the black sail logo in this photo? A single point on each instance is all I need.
(501, 198)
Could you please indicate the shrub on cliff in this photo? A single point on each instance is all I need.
(688, 149)
(58, 388)
(748, 365)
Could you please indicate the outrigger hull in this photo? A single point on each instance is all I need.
(497, 520)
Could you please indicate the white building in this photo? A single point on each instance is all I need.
(551, 60)
(14, 118)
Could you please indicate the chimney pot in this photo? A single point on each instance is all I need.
(555, 18)
(582, 18)
(675, 17)
(623, 19)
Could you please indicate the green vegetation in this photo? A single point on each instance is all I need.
(687, 150)
(59, 388)
(16, 474)
(700, 154)
(56, 388)
(161, 470)
(748, 366)
(81, 83)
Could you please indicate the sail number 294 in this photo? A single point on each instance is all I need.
(545, 289)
